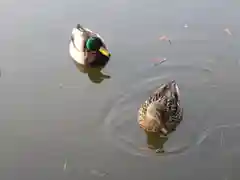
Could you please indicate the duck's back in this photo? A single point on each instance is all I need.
(76, 46)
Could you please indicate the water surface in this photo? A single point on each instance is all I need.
(57, 123)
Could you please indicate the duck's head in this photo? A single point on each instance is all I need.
(93, 43)
(155, 118)
(96, 44)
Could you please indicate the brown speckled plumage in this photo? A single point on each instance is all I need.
(169, 101)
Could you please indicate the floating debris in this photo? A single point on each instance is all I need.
(65, 165)
(165, 38)
(98, 173)
(185, 26)
(159, 61)
(228, 31)
(60, 85)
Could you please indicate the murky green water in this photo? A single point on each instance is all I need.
(59, 123)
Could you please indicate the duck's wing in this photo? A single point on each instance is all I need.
(173, 103)
(158, 93)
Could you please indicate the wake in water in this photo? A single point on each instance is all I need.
(121, 122)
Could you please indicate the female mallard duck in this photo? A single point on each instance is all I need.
(88, 48)
(161, 109)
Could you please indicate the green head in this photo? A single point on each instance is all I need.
(93, 44)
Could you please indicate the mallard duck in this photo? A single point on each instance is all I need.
(87, 47)
(161, 109)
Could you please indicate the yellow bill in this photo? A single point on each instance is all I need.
(104, 51)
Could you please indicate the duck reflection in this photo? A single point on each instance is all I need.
(156, 142)
(94, 73)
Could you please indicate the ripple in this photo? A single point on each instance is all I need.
(217, 148)
(121, 122)
(224, 131)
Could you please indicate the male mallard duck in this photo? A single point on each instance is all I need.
(87, 47)
(160, 109)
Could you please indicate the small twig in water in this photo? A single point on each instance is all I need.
(65, 165)
(221, 139)
(160, 61)
(228, 31)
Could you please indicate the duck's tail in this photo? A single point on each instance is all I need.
(79, 27)
(175, 89)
